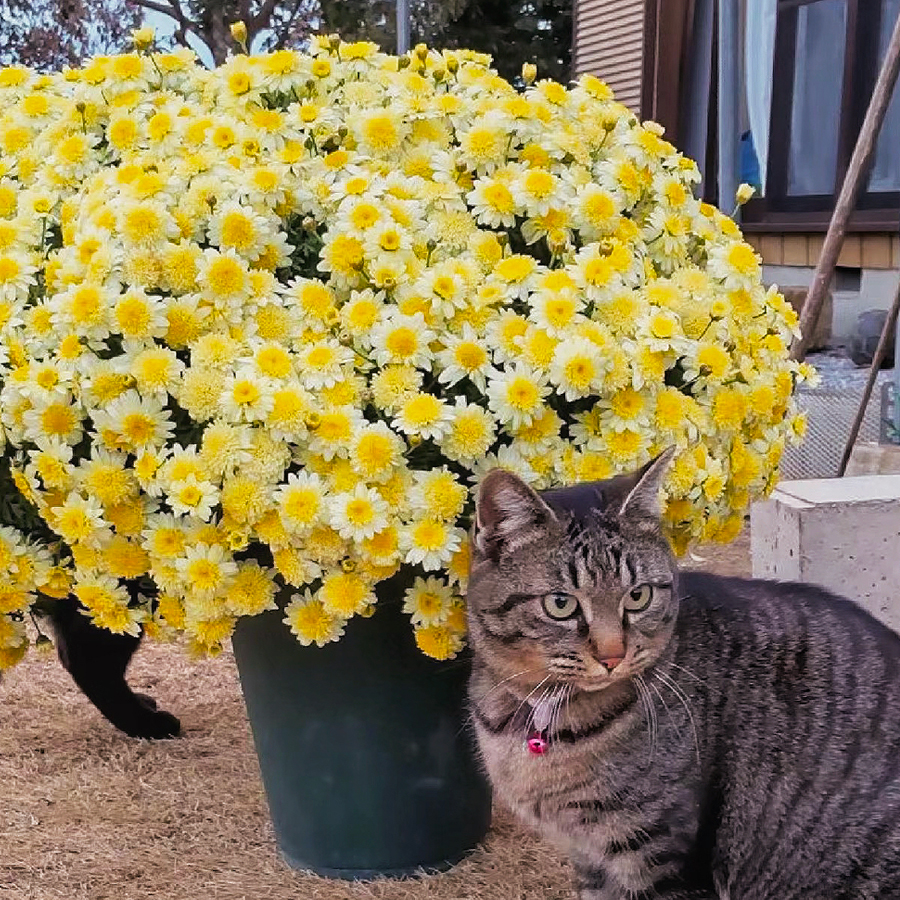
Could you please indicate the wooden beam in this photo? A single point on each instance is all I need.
(883, 340)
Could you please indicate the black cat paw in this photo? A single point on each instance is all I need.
(147, 700)
(156, 725)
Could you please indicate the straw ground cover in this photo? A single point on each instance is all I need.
(88, 814)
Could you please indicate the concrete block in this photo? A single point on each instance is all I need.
(841, 533)
(874, 459)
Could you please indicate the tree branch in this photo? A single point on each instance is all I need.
(282, 37)
(173, 10)
(259, 21)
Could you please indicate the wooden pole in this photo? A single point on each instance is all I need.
(880, 350)
(856, 171)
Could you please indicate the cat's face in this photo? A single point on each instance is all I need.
(576, 586)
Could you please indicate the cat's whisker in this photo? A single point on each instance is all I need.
(525, 699)
(687, 672)
(662, 700)
(506, 680)
(650, 710)
(683, 698)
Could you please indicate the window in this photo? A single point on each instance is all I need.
(827, 55)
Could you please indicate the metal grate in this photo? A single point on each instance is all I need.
(831, 410)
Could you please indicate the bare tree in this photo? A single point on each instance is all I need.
(271, 24)
(51, 34)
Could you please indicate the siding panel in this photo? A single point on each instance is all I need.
(609, 43)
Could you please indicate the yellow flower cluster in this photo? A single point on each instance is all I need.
(267, 325)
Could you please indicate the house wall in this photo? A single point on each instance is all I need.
(867, 276)
(609, 43)
(859, 251)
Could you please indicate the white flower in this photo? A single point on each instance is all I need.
(493, 203)
(578, 367)
(358, 514)
(402, 340)
(516, 395)
(240, 228)
(465, 356)
(247, 397)
(80, 520)
(206, 571)
(428, 601)
(736, 264)
(320, 363)
(193, 496)
(301, 501)
(424, 415)
(134, 423)
(430, 543)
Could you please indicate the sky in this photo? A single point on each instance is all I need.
(165, 26)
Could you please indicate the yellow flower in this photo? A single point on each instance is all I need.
(252, 591)
(729, 408)
(439, 641)
(345, 594)
(311, 622)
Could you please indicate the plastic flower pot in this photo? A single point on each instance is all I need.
(366, 756)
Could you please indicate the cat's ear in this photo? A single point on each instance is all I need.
(508, 513)
(643, 503)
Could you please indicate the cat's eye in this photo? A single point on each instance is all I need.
(638, 599)
(560, 606)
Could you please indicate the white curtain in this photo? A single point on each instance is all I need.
(886, 171)
(818, 88)
(759, 50)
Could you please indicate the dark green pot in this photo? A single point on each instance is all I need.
(366, 756)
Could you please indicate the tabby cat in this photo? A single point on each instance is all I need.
(680, 735)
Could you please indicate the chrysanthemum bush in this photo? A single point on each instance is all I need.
(265, 327)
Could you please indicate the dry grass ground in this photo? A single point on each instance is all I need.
(88, 814)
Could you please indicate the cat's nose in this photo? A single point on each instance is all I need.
(612, 661)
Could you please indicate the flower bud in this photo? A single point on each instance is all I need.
(334, 41)
(238, 540)
(452, 65)
(421, 50)
(348, 565)
(143, 38)
(529, 72)
(744, 193)
(239, 33)
(403, 62)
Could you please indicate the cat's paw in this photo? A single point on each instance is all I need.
(156, 725)
(147, 700)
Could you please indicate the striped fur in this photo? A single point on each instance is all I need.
(748, 748)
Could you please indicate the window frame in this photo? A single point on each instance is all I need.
(874, 211)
